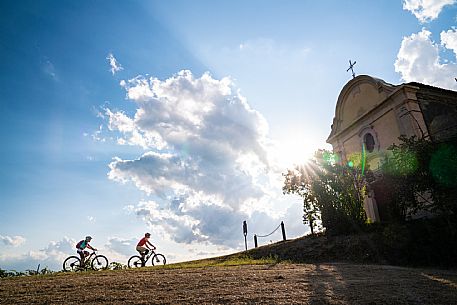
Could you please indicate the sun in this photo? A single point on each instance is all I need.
(292, 151)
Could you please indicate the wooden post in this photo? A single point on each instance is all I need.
(311, 223)
(245, 232)
(255, 240)
(283, 231)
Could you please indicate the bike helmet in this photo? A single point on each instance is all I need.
(88, 237)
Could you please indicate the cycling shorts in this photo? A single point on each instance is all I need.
(141, 249)
(81, 251)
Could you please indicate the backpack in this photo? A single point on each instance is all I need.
(78, 245)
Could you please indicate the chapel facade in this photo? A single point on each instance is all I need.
(371, 115)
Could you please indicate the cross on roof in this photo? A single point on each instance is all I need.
(351, 65)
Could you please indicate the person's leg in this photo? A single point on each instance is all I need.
(81, 256)
(143, 251)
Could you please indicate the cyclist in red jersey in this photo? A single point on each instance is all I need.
(143, 244)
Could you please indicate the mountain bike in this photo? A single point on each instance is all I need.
(94, 261)
(137, 261)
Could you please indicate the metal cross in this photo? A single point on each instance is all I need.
(351, 65)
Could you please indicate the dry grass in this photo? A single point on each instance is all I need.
(258, 276)
(247, 284)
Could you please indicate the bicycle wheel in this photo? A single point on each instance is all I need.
(158, 260)
(135, 262)
(99, 262)
(71, 263)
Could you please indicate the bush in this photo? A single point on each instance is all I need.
(116, 266)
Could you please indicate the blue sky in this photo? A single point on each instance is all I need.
(178, 117)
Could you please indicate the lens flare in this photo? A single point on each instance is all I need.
(364, 158)
(443, 165)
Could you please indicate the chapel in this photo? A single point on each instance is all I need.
(371, 115)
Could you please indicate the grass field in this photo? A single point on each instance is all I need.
(327, 274)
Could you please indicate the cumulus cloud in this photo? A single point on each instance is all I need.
(202, 222)
(120, 249)
(14, 241)
(114, 64)
(60, 249)
(210, 224)
(449, 40)
(202, 138)
(206, 165)
(426, 10)
(419, 59)
(51, 256)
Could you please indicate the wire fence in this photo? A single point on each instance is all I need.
(271, 232)
(281, 225)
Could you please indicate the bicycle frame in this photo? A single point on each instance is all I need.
(90, 257)
(148, 256)
(92, 261)
(88, 260)
(152, 256)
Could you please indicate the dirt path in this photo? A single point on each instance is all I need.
(280, 284)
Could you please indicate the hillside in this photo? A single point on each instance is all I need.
(415, 244)
(360, 248)
(269, 275)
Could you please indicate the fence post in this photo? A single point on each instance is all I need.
(255, 240)
(245, 232)
(283, 231)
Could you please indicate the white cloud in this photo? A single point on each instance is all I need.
(426, 10)
(419, 59)
(52, 256)
(114, 64)
(449, 40)
(206, 165)
(14, 241)
(214, 225)
(202, 137)
(188, 224)
(120, 249)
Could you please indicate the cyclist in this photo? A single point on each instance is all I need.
(143, 244)
(83, 244)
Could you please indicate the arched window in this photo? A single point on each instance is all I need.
(369, 142)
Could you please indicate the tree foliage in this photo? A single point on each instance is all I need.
(421, 176)
(332, 193)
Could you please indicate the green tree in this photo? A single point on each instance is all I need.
(332, 192)
(297, 181)
(422, 176)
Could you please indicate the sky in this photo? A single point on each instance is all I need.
(179, 117)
